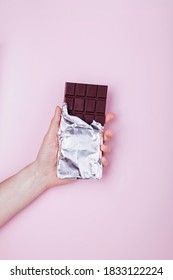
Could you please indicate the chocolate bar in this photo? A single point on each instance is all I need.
(86, 101)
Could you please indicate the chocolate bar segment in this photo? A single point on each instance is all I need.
(86, 101)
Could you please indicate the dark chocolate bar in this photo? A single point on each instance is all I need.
(86, 101)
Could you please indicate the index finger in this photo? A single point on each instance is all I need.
(109, 117)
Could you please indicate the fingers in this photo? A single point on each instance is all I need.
(109, 117)
(104, 161)
(107, 135)
(105, 148)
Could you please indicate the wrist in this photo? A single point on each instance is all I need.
(39, 178)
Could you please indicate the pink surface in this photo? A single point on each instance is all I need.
(127, 45)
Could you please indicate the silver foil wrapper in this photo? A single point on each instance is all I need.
(79, 153)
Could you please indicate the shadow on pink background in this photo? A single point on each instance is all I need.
(127, 45)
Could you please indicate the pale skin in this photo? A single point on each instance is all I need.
(22, 188)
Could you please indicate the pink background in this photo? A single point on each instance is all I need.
(127, 45)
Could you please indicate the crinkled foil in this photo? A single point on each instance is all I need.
(79, 153)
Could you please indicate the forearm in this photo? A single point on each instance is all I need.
(19, 190)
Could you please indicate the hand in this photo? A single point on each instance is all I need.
(23, 187)
(46, 161)
(107, 135)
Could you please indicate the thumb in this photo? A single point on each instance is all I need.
(55, 122)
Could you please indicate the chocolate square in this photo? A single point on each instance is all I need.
(90, 105)
(80, 89)
(70, 88)
(79, 104)
(91, 91)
